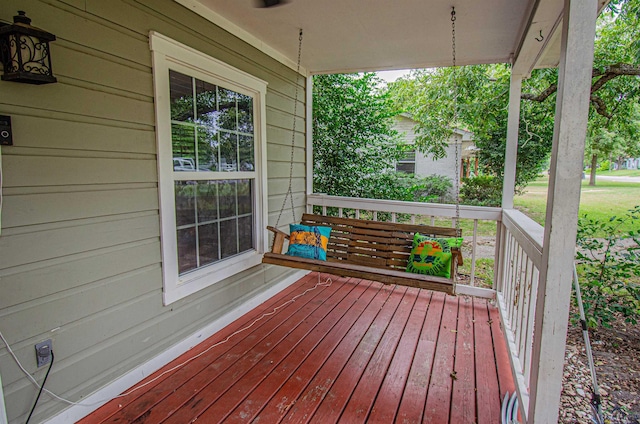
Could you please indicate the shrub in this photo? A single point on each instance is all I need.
(484, 190)
(609, 268)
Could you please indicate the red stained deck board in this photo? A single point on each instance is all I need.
(357, 351)
(411, 407)
(334, 396)
(364, 395)
(439, 392)
(287, 395)
(282, 335)
(488, 391)
(463, 396)
(388, 399)
(294, 349)
(138, 402)
(307, 356)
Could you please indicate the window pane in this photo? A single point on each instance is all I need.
(245, 200)
(207, 201)
(206, 102)
(409, 168)
(185, 203)
(409, 156)
(245, 233)
(207, 149)
(228, 152)
(246, 153)
(245, 114)
(227, 109)
(208, 243)
(186, 250)
(229, 237)
(183, 140)
(227, 198)
(181, 87)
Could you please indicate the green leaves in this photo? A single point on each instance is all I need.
(609, 268)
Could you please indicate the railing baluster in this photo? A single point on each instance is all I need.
(394, 217)
(340, 212)
(474, 245)
(375, 215)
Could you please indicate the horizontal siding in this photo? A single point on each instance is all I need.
(81, 260)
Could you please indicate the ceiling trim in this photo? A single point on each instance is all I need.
(213, 17)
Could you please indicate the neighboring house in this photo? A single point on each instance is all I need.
(416, 162)
(138, 189)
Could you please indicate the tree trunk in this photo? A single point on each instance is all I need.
(594, 164)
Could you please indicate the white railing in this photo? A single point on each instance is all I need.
(517, 290)
(417, 212)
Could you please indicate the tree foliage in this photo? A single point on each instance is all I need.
(481, 95)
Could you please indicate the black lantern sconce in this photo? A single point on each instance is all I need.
(25, 52)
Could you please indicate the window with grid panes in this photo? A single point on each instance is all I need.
(209, 160)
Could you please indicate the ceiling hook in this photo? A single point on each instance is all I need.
(541, 37)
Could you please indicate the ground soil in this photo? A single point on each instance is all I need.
(616, 352)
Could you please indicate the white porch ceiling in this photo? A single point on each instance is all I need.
(360, 35)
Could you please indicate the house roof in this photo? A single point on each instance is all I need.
(369, 35)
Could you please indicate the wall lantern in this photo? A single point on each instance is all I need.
(25, 52)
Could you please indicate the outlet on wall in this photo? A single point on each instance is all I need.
(43, 352)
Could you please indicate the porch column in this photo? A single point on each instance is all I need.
(511, 153)
(554, 292)
(309, 141)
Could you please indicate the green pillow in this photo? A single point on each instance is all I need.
(455, 242)
(430, 256)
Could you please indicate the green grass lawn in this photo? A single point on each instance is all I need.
(620, 173)
(605, 199)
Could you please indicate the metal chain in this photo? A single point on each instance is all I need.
(455, 115)
(289, 193)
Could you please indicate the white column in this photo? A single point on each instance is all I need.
(554, 292)
(511, 153)
(309, 139)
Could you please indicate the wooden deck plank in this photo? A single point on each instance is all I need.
(347, 363)
(311, 352)
(488, 396)
(439, 392)
(364, 395)
(412, 405)
(281, 338)
(388, 400)
(505, 378)
(130, 407)
(260, 375)
(286, 397)
(463, 406)
(357, 351)
(223, 359)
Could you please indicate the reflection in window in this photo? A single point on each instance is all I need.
(212, 127)
(212, 137)
(214, 220)
(407, 163)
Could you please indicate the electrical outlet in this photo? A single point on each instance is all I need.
(43, 352)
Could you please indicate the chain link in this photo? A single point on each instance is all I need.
(289, 193)
(455, 115)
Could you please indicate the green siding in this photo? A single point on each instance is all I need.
(80, 243)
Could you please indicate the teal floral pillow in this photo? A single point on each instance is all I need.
(308, 242)
(430, 256)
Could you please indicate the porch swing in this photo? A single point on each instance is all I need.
(412, 255)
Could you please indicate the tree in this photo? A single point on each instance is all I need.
(482, 99)
(354, 144)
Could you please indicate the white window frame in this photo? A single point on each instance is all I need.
(170, 54)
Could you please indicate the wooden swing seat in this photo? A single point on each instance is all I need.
(371, 250)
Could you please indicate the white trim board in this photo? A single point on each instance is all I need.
(3, 410)
(108, 392)
(219, 20)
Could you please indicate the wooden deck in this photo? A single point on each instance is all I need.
(349, 351)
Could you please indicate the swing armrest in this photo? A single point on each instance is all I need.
(458, 254)
(278, 239)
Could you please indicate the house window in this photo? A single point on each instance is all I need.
(407, 163)
(211, 146)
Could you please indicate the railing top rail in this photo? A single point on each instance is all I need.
(529, 233)
(416, 208)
